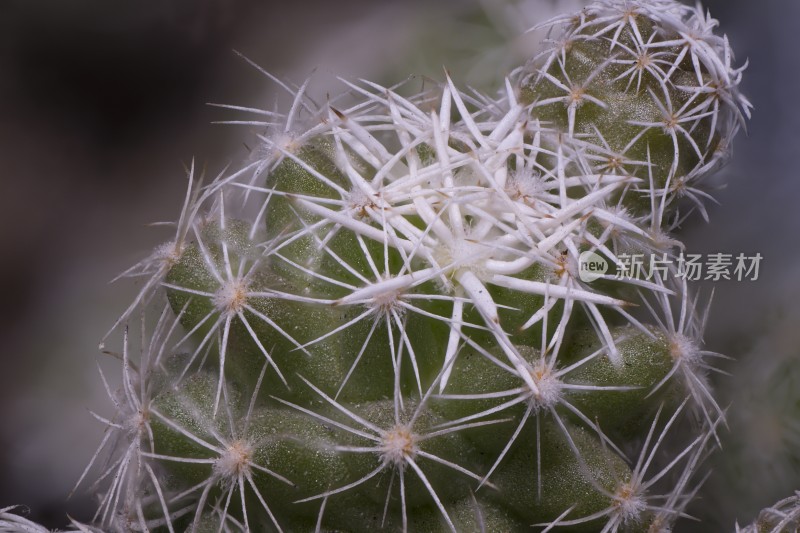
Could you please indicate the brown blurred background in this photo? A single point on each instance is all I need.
(103, 102)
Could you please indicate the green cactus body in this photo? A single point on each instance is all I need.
(383, 324)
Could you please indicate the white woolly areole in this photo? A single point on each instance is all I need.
(235, 461)
(231, 297)
(629, 503)
(360, 204)
(388, 302)
(137, 423)
(399, 444)
(464, 255)
(525, 186)
(168, 252)
(684, 350)
(548, 386)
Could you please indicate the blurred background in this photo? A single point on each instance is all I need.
(102, 103)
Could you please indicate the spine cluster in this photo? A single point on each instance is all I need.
(380, 322)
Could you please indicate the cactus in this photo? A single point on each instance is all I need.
(784, 515)
(381, 322)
